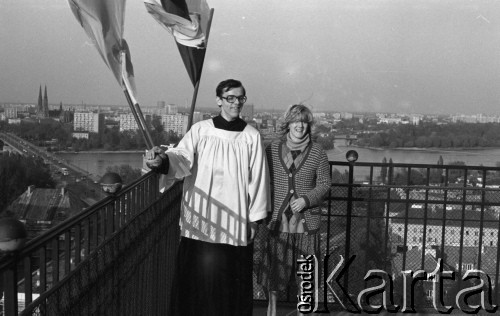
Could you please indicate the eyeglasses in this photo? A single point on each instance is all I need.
(232, 98)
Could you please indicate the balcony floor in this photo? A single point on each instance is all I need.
(284, 309)
(260, 309)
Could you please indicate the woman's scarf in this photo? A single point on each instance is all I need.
(297, 144)
(292, 222)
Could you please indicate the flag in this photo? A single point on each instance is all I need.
(188, 22)
(103, 22)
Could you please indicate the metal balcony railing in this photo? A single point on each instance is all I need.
(114, 258)
(117, 257)
(399, 218)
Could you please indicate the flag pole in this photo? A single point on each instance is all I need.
(142, 128)
(134, 105)
(197, 85)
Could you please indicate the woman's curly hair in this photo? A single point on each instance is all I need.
(295, 113)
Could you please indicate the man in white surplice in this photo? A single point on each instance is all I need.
(225, 195)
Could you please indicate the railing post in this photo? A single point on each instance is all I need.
(8, 282)
(351, 157)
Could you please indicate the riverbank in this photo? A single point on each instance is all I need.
(430, 149)
(480, 156)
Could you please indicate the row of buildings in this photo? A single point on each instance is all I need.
(88, 119)
(94, 119)
(85, 122)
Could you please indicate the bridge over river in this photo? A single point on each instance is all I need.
(23, 147)
(348, 138)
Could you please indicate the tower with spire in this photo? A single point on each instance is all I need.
(45, 104)
(42, 110)
(39, 108)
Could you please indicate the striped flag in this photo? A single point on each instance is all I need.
(188, 21)
(103, 22)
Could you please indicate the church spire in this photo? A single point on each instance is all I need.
(40, 105)
(45, 104)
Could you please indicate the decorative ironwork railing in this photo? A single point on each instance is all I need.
(406, 217)
(117, 257)
(114, 258)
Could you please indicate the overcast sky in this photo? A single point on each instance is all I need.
(418, 56)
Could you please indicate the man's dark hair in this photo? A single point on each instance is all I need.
(228, 84)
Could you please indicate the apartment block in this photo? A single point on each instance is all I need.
(11, 113)
(176, 123)
(92, 122)
(128, 123)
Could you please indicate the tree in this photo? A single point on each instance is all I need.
(338, 177)
(455, 174)
(433, 135)
(436, 174)
(326, 142)
(95, 140)
(157, 126)
(173, 137)
(416, 177)
(376, 140)
(390, 177)
(17, 173)
(383, 171)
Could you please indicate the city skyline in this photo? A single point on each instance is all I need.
(426, 56)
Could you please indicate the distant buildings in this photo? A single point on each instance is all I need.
(171, 109)
(65, 116)
(443, 233)
(176, 123)
(174, 119)
(80, 135)
(347, 115)
(390, 120)
(88, 122)
(164, 109)
(247, 112)
(476, 118)
(128, 122)
(266, 125)
(41, 209)
(11, 113)
(431, 233)
(197, 117)
(415, 119)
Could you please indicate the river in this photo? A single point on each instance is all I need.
(471, 157)
(96, 163)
